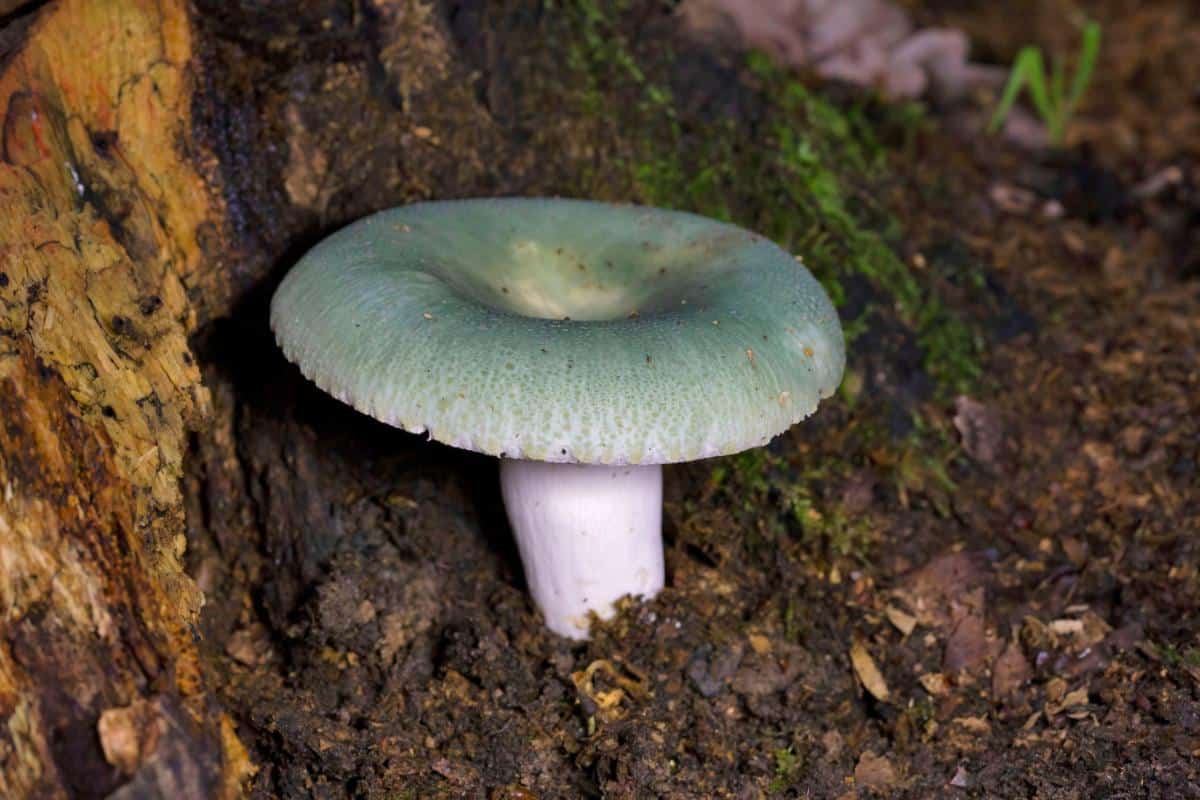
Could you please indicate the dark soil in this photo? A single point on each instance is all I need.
(982, 587)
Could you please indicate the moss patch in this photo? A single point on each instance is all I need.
(787, 163)
(736, 138)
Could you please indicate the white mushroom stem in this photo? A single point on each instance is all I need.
(588, 535)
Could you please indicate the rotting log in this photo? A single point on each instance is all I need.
(161, 161)
(144, 196)
(105, 213)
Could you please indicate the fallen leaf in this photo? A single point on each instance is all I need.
(1075, 550)
(1067, 627)
(905, 623)
(874, 772)
(967, 647)
(1095, 629)
(1010, 671)
(974, 724)
(867, 672)
(1078, 697)
(929, 591)
(629, 683)
(759, 643)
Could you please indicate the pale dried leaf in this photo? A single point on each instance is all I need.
(1067, 627)
(759, 643)
(869, 674)
(905, 623)
(874, 772)
(1071, 699)
(978, 725)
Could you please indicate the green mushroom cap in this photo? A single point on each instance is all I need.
(563, 330)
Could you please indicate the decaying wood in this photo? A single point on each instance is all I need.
(103, 210)
(160, 160)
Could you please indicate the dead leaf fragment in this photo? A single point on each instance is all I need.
(629, 683)
(869, 674)
(874, 772)
(905, 623)
(759, 643)
(1078, 697)
(1095, 629)
(978, 725)
(1067, 627)
(1010, 672)
(929, 591)
(967, 648)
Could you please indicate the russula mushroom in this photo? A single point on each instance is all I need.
(585, 344)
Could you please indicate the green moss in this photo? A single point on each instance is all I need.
(787, 767)
(804, 172)
(777, 501)
(1172, 656)
(919, 714)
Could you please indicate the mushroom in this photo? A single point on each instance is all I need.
(585, 344)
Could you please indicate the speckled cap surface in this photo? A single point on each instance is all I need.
(563, 330)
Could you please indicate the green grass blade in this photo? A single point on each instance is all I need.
(1058, 81)
(1038, 90)
(1088, 57)
(1016, 81)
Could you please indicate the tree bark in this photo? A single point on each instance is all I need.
(105, 216)
(161, 162)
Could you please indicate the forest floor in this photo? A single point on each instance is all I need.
(979, 581)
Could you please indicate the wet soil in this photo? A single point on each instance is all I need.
(988, 593)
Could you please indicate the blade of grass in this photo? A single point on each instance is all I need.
(1048, 90)
(1012, 90)
(1088, 56)
(1038, 89)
